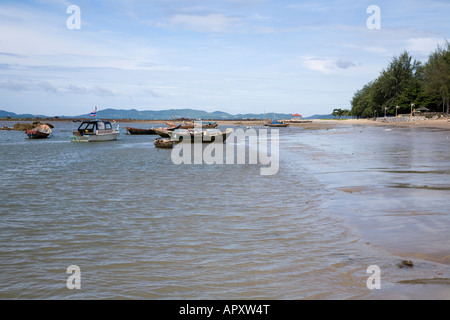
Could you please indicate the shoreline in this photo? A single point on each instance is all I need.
(311, 124)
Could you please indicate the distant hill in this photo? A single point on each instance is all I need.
(180, 113)
(168, 114)
(12, 115)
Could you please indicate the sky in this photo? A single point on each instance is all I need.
(236, 56)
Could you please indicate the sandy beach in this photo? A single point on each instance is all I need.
(324, 124)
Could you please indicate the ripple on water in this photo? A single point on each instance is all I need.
(140, 227)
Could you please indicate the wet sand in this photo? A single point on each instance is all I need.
(391, 182)
(324, 124)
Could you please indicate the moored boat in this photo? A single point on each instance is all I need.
(138, 131)
(183, 125)
(165, 132)
(95, 131)
(276, 124)
(193, 124)
(164, 143)
(205, 136)
(206, 124)
(40, 132)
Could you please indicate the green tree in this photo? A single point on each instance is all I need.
(437, 75)
(400, 84)
(340, 113)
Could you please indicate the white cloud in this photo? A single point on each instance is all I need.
(318, 64)
(47, 86)
(326, 65)
(424, 46)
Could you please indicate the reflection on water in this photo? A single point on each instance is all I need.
(140, 227)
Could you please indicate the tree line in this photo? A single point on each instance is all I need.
(406, 84)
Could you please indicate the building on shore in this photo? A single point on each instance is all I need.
(297, 118)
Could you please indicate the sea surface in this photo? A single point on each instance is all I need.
(140, 227)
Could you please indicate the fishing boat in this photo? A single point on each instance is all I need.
(165, 132)
(193, 124)
(276, 124)
(205, 136)
(164, 143)
(138, 131)
(206, 125)
(183, 125)
(40, 132)
(95, 131)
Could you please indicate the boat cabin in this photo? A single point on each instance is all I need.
(94, 127)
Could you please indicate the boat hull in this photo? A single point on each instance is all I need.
(36, 135)
(165, 132)
(95, 138)
(162, 132)
(41, 132)
(137, 131)
(278, 125)
(164, 143)
(192, 125)
(203, 136)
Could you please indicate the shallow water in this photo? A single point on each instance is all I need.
(140, 227)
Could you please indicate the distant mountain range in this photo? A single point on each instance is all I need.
(166, 115)
(12, 115)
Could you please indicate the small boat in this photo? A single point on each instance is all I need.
(165, 132)
(94, 131)
(206, 125)
(192, 125)
(138, 131)
(276, 124)
(184, 125)
(164, 143)
(41, 132)
(207, 136)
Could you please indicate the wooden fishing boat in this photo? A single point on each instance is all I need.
(207, 125)
(41, 132)
(137, 131)
(193, 124)
(276, 124)
(205, 136)
(184, 125)
(165, 132)
(164, 143)
(95, 131)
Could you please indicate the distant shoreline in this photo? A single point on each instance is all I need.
(311, 124)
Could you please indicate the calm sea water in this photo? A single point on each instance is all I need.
(140, 227)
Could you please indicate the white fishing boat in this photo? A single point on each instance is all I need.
(95, 131)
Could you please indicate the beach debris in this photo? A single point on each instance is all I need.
(406, 264)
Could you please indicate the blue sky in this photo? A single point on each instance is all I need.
(237, 56)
